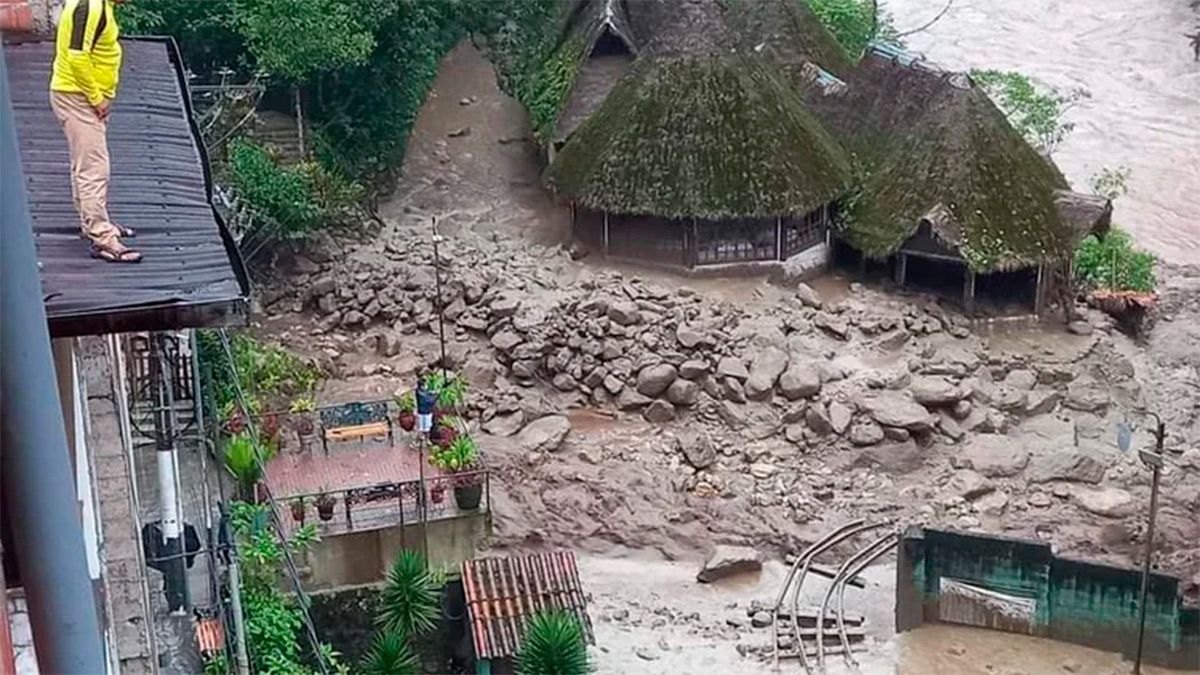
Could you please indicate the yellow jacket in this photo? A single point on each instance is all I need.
(87, 56)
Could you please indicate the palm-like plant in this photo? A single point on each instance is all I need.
(390, 654)
(553, 645)
(409, 602)
(241, 458)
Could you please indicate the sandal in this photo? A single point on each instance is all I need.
(122, 231)
(116, 255)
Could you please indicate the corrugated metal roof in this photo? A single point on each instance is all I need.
(191, 274)
(503, 593)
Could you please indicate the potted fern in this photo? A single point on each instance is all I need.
(460, 459)
(241, 460)
(451, 390)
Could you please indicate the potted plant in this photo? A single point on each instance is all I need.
(297, 505)
(445, 430)
(301, 411)
(270, 434)
(241, 460)
(233, 420)
(325, 503)
(407, 417)
(460, 459)
(437, 492)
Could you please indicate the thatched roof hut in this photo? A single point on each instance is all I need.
(706, 136)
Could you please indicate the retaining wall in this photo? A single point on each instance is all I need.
(1075, 601)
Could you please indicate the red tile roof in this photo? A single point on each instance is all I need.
(502, 593)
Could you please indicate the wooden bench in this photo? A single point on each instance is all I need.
(359, 431)
(355, 421)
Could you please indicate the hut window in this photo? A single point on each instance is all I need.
(609, 44)
(735, 240)
(647, 238)
(804, 232)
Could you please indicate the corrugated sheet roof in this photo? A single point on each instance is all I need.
(191, 274)
(503, 593)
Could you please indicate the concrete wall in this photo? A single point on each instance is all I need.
(1081, 602)
(359, 558)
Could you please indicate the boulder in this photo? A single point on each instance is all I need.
(800, 380)
(765, 370)
(992, 503)
(505, 340)
(817, 419)
(387, 344)
(1021, 378)
(1087, 395)
(866, 432)
(726, 561)
(624, 313)
(732, 389)
(504, 425)
(545, 434)
(734, 368)
(689, 336)
(897, 458)
(505, 305)
(930, 390)
(564, 382)
(898, 409)
(654, 380)
(683, 392)
(839, 417)
(659, 412)
(630, 399)
(613, 384)
(697, 450)
(794, 433)
(1042, 401)
(1110, 502)
(807, 296)
(1067, 464)
(995, 456)
(969, 484)
(693, 369)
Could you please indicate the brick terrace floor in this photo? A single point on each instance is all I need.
(347, 466)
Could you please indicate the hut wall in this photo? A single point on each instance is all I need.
(655, 240)
(803, 232)
(736, 240)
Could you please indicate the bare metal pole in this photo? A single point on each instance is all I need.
(437, 278)
(1155, 462)
(239, 626)
(39, 482)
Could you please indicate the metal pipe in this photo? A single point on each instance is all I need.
(39, 482)
(842, 596)
(174, 576)
(241, 659)
(838, 579)
(1160, 433)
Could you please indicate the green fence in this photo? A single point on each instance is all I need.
(1019, 585)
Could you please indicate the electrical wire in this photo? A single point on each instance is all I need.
(292, 574)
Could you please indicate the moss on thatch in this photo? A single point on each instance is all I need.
(790, 31)
(960, 155)
(701, 135)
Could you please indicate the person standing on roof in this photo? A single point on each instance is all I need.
(87, 65)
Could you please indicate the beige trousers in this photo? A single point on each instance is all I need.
(87, 141)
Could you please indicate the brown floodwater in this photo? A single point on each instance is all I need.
(960, 650)
(1142, 87)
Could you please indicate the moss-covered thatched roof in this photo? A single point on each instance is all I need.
(703, 135)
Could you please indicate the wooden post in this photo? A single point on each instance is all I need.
(779, 238)
(574, 223)
(606, 234)
(901, 269)
(695, 243)
(969, 292)
(1039, 294)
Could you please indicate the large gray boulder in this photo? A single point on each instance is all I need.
(807, 296)
(1067, 464)
(654, 380)
(866, 432)
(1087, 395)
(931, 390)
(1110, 502)
(504, 425)
(732, 367)
(768, 365)
(683, 392)
(727, 561)
(659, 412)
(697, 450)
(898, 409)
(800, 380)
(624, 313)
(995, 456)
(545, 434)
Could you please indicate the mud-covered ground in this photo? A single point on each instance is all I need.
(774, 473)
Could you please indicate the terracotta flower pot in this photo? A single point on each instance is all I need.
(407, 421)
(298, 513)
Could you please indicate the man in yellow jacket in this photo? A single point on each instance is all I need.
(87, 65)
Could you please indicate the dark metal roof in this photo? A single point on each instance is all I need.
(191, 274)
(504, 593)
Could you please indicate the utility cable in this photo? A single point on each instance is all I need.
(303, 603)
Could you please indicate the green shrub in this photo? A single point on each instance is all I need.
(852, 22)
(241, 459)
(276, 192)
(1114, 264)
(409, 603)
(1035, 111)
(390, 654)
(553, 645)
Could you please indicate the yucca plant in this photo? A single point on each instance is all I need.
(241, 460)
(409, 603)
(553, 645)
(390, 654)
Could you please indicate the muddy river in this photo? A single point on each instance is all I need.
(1142, 92)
